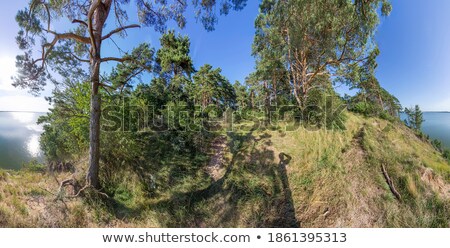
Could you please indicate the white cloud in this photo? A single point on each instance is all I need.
(23, 103)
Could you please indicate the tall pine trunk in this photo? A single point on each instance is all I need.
(98, 21)
(94, 128)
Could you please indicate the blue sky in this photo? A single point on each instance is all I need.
(414, 41)
(414, 63)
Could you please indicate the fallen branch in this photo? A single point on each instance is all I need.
(66, 182)
(69, 181)
(390, 183)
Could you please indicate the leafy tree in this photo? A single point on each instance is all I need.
(257, 92)
(66, 126)
(414, 118)
(210, 87)
(371, 99)
(242, 95)
(269, 64)
(174, 64)
(374, 100)
(173, 56)
(63, 51)
(316, 37)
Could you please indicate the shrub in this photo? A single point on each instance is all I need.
(446, 154)
(437, 144)
(363, 108)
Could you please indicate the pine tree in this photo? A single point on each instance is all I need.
(414, 118)
(314, 38)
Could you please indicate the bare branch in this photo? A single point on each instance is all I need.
(48, 47)
(104, 85)
(33, 5)
(181, 3)
(117, 30)
(129, 78)
(80, 22)
(45, 53)
(121, 60)
(92, 9)
(80, 59)
(390, 183)
(72, 36)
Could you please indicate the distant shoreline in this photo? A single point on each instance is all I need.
(432, 112)
(9, 111)
(442, 112)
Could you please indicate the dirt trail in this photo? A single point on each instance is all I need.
(215, 166)
(361, 207)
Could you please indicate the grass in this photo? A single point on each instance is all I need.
(321, 178)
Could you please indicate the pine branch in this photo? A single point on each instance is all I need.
(120, 29)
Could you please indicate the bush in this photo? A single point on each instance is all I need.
(446, 154)
(324, 109)
(34, 166)
(3, 175)
(363, 108)
(437, 144)
(66, 126)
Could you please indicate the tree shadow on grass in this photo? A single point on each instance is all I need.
(254, 191)
(288, 219)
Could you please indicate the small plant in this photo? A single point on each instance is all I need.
(19, 206)
(437, 144)
(34, 166)
(4, 216)
(363, 108)
(3, 175)
(446, 154)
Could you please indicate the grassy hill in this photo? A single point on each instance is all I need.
(257, 178)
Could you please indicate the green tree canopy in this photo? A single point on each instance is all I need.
(210, 87)
(313, 38)
(414, 118)
(173, 56)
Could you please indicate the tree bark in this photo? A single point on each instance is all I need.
(94, 125)
(274, 83)
(266, 102)
(94, 138)
(252, 99)
(100, 11)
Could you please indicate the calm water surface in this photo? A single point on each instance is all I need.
(19, 139)
(437, 125)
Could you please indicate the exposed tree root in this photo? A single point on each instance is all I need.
(75, 185)
(390, 183)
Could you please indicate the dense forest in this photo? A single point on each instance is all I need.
(156, 141)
